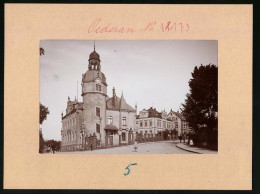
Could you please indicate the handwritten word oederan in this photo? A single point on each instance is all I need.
(98, 26)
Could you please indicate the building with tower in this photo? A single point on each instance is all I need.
(100, 120)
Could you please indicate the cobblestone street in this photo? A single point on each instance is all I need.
(162, 147)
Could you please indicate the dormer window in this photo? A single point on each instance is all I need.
(124, 121)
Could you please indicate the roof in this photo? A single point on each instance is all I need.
(111, 127)
(94, 55)
(80, 107)
(119, 104)
(178, 115)
(154, 113)
(92, 74)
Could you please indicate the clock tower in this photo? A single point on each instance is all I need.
(94, 93)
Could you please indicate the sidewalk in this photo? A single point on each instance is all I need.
(193, 149)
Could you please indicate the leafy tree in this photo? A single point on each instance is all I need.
(43, 113)
(201, 104)
(49, 143)
(42, 51)
(41, 141)
(43, 116)
(174, 133)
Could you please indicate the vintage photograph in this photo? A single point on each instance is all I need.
(128, 97)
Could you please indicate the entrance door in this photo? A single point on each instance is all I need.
(110, 140)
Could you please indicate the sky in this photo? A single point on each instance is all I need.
(150, 73)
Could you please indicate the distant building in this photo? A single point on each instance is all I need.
(181, 125)
(99, 119)
(152, 122)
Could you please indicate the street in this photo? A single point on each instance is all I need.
(162, 147)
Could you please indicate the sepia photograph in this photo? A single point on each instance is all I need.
(128, 97)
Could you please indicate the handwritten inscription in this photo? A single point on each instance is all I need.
(98, 26)
(128, 169)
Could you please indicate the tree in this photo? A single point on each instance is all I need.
(201, 104)
(42, 51)
(43, 113)
(57, 144)
(43, 116)
(41, 142)
(174, 133)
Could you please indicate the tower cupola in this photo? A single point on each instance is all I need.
(94, 60)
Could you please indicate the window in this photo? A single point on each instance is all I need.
(164, 124)
(176, 125)
(137, 122)
(98, 87)
(145, 123)
(123, 136)
(151, 123)
(159, 124)
(97, 128)
(124, 121)
(141, 123)
(97, 112)
(110, 120)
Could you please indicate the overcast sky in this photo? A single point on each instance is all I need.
(150, 73)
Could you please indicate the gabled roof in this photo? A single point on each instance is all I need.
(177, 114)
(115, 106)
(119, 104)
(80, 107)
(124, 106)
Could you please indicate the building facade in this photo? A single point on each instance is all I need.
(181, 125)
(152, 122)
(100, 120)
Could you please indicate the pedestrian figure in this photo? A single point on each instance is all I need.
(135, 146)
(53, 148)
(91, 147)
(184, 138)
(191, 142)
(180, 137)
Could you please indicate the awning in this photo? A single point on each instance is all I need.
(111, 127)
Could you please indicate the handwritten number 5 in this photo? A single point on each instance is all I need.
(127, 168)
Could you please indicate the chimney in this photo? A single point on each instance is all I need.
(114, 97)
(114, 92)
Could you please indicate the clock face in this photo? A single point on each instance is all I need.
(97, 81)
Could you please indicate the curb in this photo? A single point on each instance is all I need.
(187, 149)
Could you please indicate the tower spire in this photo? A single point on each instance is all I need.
(94, 46)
